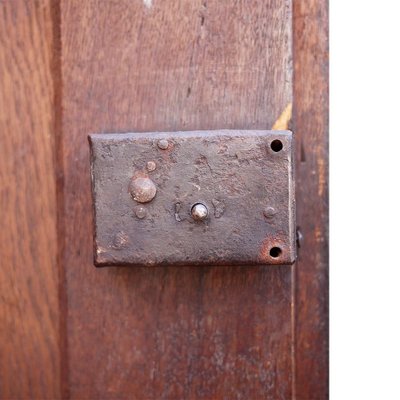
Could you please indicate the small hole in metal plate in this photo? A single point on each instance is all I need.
(276, 145)
(275, 252)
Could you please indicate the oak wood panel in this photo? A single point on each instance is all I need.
(311, 128)
(29, 313)
(169, 65)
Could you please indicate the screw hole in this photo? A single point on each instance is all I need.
(276, 145)
(275, 252)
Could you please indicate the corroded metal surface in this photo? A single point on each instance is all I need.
(243, 178)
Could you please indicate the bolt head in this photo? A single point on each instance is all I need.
(151, 166)
(163, 144)
(140, 212)
(199, 212)
(120, 240)
(143, 190)
(269, 212)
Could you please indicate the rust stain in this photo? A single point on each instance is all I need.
(264, 251)
(282, 123)
(267, 245)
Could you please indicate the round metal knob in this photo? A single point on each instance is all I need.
(199, 212)
(143, 190)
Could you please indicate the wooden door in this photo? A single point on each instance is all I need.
(73, 67)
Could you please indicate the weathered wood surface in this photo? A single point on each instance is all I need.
(311, 128)
(161, 332)
(171, 332)
(29, 316)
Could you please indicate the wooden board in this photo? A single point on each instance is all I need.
(311, 130)
(29, 313)
(171, 332)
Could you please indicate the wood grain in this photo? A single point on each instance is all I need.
(29, 313)
(171, 332)
(311, 128)
(168, 332)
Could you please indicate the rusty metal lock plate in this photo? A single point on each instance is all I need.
(222, 197)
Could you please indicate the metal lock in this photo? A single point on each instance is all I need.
(222, 197)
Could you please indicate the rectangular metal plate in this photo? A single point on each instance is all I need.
(243, 177)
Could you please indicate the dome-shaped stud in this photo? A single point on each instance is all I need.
(199, 212)
(143, 190)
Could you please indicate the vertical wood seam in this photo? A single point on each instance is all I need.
(59, 178)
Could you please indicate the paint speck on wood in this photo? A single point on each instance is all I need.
(148, 3)
(283, 122)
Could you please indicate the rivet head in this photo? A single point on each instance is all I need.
(269, 212)
(140, 212)
(199, 212)
(143, 190)
(120, 240)
(151, 166)
(163, 144)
